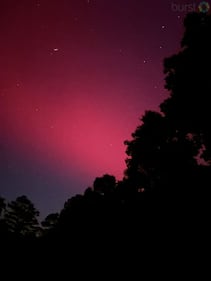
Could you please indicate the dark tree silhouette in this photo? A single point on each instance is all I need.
(50, 221)
(105, 184)
(188, 80)
(21, 217)
(49, 224)
(159, 155)
(165, 149)
(3, 228)
(2, 206)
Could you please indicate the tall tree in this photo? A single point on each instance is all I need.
(165, 149)
(2, 205)
(22, 217)
(188, 81)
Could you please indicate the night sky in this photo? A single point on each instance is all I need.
(75, 77)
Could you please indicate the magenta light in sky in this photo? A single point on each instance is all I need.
(76, 76)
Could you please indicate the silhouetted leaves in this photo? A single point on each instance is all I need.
(21, 217)
(188, 80)
(2, 206)
(105, 184)
(50, 221)
(165, 150)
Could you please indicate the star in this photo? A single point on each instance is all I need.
(54, 50)
(163, 27)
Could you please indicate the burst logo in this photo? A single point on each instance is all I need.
(204, 7)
